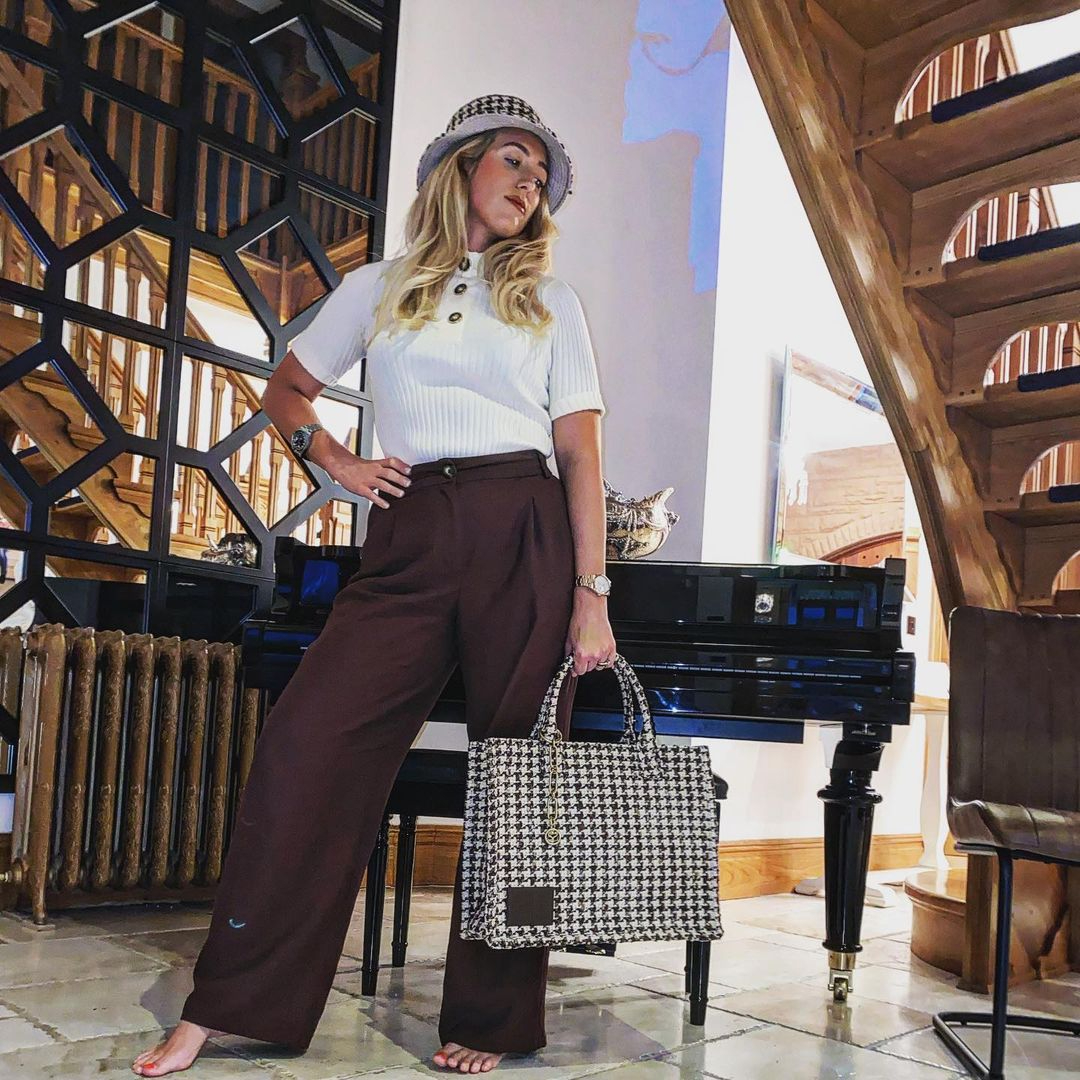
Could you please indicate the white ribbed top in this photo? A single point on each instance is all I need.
(457, 388)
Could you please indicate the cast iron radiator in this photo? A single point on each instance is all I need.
(131, 755)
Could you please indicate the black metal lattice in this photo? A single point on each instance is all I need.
(280, 178)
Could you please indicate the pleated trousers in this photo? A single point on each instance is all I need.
(473, 566)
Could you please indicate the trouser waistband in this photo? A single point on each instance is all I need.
(511, 463)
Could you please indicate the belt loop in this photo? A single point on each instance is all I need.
(544, 469)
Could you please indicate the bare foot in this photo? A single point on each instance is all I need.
(456, 1056)
(176, 1052)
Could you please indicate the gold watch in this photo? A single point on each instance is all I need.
(599, 583)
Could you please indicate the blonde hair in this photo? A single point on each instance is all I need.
(435, 235)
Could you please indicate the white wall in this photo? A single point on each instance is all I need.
(773, 291)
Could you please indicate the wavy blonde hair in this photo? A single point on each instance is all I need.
(436, 241)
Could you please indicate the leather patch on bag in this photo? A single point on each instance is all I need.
(530, 905)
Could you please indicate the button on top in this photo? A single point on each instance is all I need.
(455, 316)
(449, 469)
(459, 289)
(464, 264)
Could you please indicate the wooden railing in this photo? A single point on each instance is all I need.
(130, 276)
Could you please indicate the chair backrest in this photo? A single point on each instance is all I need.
(1014, 708)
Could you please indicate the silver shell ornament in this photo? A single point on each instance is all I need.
(636, 527)
(233, 549)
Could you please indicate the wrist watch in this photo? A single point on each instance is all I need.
(300, 439)
(599, 583)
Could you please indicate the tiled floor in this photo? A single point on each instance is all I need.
(80, 1000)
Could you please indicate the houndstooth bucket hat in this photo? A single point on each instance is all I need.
(498, 111)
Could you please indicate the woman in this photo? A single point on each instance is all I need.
(480, 366)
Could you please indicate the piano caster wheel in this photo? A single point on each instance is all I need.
(841, 974)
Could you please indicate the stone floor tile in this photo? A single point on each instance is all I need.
(771, 1053)
(911, 990)
(67, 959)
(109, 1057)
(748, 964)
(19, 1034)
(805, 915)
(172, 947)
(626, 1023)
(812, 1009)
(1028, 1055)
(806, 942)
(349, 1041)
(924, 1046)
(105, 920)
(674, 985)
(570, 973)
(92, 1007)
(1051, 997)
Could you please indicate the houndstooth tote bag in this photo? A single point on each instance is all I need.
(570, 843)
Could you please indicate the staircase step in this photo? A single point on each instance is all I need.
(1023, 82)
(1064, 602)
(921, 152)
(1037, 509)
(1007, 405)
(1044, 240)
(973, 285)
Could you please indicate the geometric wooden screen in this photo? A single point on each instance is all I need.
(180, 187)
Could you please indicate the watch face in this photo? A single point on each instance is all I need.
(299, 440)
(603, 584)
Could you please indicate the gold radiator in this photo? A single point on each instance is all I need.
(133, 751)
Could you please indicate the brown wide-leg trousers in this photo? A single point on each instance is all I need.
(473, 565)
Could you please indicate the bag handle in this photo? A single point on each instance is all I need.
(546, 728)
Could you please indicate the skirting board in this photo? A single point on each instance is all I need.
(747, 867)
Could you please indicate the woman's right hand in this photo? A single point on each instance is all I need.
(371, 477)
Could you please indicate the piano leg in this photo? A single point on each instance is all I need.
(849, 821)
(403, 878)
(374, 896)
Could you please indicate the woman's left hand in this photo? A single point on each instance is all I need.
(590, 638)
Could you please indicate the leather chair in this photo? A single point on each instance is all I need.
(1014, 777)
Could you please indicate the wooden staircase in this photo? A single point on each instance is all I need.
(924, 158)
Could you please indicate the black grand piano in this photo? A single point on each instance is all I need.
(723, 652)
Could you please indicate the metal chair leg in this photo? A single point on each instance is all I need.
(999, 1020)
(1001, 964)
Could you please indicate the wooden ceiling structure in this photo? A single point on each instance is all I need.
(885, 196)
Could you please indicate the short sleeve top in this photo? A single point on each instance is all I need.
(466, 383)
